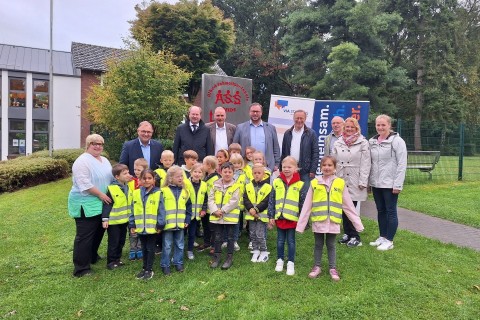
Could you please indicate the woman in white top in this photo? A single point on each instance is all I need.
(353, 165)
(91, 175)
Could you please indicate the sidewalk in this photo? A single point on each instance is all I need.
(431, 227)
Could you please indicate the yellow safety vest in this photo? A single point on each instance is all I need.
(176, 210)
(121, 205)
(242, 181)
(145, 215)
(248, 172)
(162, 174)
(197, 198)
(287, 200)
(222, 198)
(131, 185)
(327, 204)
(210, 183)
(257, 197)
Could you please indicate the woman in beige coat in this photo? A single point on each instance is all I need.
(353, 165)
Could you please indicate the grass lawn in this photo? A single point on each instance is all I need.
(419, 279)
(455, 201)
(447, 170)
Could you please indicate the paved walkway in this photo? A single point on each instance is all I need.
(431, 227)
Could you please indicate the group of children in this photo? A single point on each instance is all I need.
(161, 207)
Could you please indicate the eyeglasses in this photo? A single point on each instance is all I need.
(96, 144)
(146, 132)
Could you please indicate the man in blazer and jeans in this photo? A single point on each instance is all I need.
(261, 135)
(142, 147)
(221, 132)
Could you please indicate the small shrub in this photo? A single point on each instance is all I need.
(70, 155)
(30, 171)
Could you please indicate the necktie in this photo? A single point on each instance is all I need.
(194, 128)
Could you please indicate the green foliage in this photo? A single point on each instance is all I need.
(69, 155)
(30, 171)
(419, 279)
(144, 86)
(196, 33)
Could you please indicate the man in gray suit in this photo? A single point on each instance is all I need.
(261, 135)
(221, 132)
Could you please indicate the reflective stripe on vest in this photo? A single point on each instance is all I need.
(175, 210)
(145, 215)
(197, 198)
(286, 200)
(120, 206)
(327, 204)
(221, 199)
(256, 196)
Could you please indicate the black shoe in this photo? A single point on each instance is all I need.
(179, 268)
(344, 240)
(148, 275)
(166, 271)
(112, 265)
(215, 261)
(202, 247)
(228, 263)
(354, 242)
(141, 274)
(84, 273)
(120, 263)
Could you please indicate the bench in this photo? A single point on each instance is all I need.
(424, 161)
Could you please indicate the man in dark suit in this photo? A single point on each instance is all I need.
(192, 135)
(142, 147)
(221, 132)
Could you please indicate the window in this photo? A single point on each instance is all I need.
(17, 92)
(16, 138)
(40, 94)
(40, 136)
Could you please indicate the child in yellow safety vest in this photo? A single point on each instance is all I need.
(115, 214)
(224, 213)
(143, 220)
(199, 198)
(174, 217)
(326, 198)
(286, 201)
(256, 199)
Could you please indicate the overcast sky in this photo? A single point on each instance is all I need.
(100, 22)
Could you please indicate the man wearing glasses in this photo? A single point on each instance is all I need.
(142, 147)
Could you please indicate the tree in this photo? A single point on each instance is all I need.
(143, 86)
(196, 33)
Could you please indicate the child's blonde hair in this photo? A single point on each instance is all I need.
(234, 147)
(236, 158)
(211, 162)
(170, 173)
(190, 154)
(167, 154)
(142, 162)
(291, 160)
(198, 166)
(263, 156)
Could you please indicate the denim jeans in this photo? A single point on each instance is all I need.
(289, 236)
(386, 203)
(172, 238)
(192, 233)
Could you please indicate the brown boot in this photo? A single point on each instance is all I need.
(228, 263)
(215, 261)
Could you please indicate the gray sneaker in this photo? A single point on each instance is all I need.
(354, 242)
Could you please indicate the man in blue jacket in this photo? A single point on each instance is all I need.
(142, 147)
(301, 143)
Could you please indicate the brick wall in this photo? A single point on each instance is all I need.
(89, 78)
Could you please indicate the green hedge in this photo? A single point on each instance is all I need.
(30, 171)
(70, 155)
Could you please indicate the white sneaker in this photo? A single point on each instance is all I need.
(386, 245)
(279, 266)
(263, 257)
(195, 244)
(290, 268)
(250, 246)
(236, 246)
(377, 242)
(256, 254)
(190, 255)
(224, 245)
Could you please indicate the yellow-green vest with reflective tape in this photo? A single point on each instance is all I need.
(242, 181)
(210, 183)
(257, 197)
(175, 210)
(162, 174)
(327, 204)
(145, 215)
(120, 206)
(287, 200)
(197, 198)
(222, 198)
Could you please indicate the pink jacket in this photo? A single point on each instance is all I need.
(327, 226)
